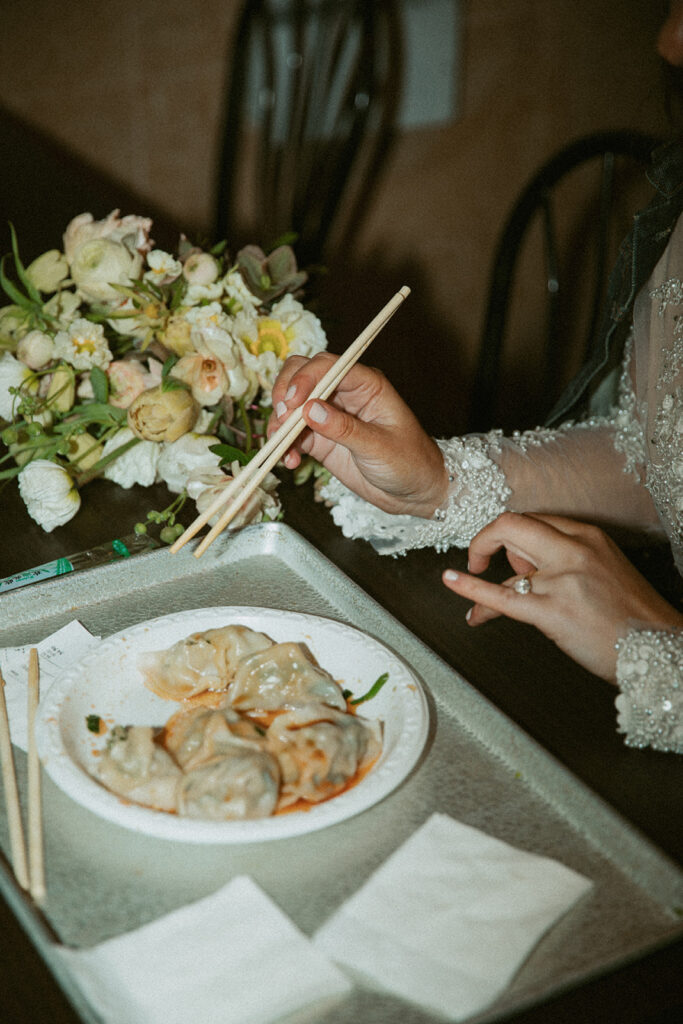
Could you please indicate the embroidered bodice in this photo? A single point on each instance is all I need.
(622, 469)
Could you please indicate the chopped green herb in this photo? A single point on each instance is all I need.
(94, 723)
(346, 694)
(373, 691)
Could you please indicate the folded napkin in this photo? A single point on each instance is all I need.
(448, 919)
(56, 653)
(230, 958)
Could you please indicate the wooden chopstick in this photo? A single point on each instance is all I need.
(9, 781)
(238, 491)
(35, 811)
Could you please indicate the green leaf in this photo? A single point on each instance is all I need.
(228, 453)
(168, 365)
(100, 384)
(31, 289)
(12, 291)
(173, 384)
(373, 691)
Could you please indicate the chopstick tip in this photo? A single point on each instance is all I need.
(404, 291)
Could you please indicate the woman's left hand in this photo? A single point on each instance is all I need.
(584, 595)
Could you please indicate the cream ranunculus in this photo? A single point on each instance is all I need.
(62, 390)
(13, 374)
(177, 335)
(36, 349)
(216, 342)
(240, 298)
(101, 263)
(84, 451)
(132, 230)
(48, 271)
(200, 268)
(126, 382)
(49, 493)
(189, 454)
(138, 465)
(83, 345)
(162, 415)
(205, 377)
(64, 306)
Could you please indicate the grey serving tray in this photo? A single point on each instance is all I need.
(477, 767)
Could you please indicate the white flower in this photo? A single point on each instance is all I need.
(12, 375)
(49, 493)
(215, 342)
(36, 349)
(131, 230)
(63, 306)
(101, 263)
(136, 466)
(196, 294)
(303, 330)
(83, 345)
(163, 268)
(240, 299)
(48, 271)
(200, 268)
(211, 315)
(189, 454)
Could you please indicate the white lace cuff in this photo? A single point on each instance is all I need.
(477, 495)
(649, 675)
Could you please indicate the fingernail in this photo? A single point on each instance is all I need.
(317, 413)
(468, 613)
(451, 575)
(280, 410)
(291, 392)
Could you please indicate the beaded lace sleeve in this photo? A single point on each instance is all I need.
(649, 674)
(478, 493)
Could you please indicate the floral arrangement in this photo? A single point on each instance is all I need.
(121, 360)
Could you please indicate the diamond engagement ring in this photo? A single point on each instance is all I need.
(522, 586)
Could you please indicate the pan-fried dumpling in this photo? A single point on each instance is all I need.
(279, 677)
(201, 661)
(241, 784)
(320, 750)
(199, 734)
(135, 767)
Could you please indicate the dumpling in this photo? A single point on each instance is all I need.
(281, 676)
(135, 767)
(198, 734)
(201, 661)
(241, 784)
(320, 750)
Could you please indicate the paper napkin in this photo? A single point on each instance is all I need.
(449, 918)
(56, 653)
(230, 958)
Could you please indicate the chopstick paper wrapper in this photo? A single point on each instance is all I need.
(230, 958)
(236, 493)
(449, 918)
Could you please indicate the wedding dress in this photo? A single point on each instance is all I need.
(623, 469)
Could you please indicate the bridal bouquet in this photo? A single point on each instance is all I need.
(121, 360)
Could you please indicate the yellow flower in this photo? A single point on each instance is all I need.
(272, 337)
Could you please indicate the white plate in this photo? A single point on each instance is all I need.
(108, 683)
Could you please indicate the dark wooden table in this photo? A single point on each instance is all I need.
(564, 708)
(567, 710)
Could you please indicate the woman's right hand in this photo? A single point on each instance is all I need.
(365, 435)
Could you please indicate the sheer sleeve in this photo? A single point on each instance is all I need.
(593, 470)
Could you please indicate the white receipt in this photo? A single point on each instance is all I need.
(55, 654)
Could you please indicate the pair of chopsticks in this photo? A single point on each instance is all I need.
(30, 873)
(245, 483)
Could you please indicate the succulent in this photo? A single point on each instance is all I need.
(270, 277)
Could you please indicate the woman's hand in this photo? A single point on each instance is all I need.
(584, 596)
(365, 435)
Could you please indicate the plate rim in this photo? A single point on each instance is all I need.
(73, 779)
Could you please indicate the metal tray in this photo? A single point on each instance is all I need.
(478, 767)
